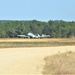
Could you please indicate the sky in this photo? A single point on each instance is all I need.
(42, 10)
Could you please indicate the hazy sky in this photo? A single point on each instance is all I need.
(43, 10)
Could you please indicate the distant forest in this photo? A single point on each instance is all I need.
(56, 29)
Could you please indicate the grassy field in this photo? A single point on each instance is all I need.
(21, 42)
(37, 57)
(60, 64)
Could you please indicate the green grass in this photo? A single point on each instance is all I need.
(60, 64)
(34, 44)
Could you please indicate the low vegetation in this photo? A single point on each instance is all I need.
(60, 64)
(13, 43)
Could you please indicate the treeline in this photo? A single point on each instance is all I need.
(56, 29)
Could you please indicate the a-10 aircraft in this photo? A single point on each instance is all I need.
(31, 35)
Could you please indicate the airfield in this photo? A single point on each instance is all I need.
(29, 60)
(37, 40)
(45, 42)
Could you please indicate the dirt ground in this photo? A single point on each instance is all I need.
(27, 61)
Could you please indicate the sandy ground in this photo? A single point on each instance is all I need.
(27, 61)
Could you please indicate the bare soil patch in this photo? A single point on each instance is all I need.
(27, 61)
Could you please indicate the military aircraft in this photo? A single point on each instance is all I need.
(45, 36)
(22, 36)
(31, 35)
